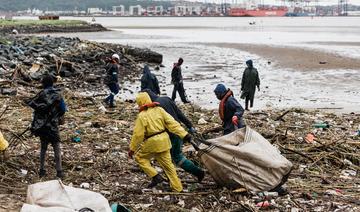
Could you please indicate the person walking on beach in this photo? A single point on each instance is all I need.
(150, 140)
(149, 81)
(230, 111)
(176, 142)
(177, 80)
(250, 80)
(49, 109)
(111, 79)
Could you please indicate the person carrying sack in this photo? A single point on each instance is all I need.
(3, 146)
(150, 140)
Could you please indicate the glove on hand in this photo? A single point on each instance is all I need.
(235, 120)
(131, 153)
(192, 130)
(187, 138)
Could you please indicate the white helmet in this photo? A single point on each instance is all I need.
(115, 56)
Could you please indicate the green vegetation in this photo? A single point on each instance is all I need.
(4, 23)
(11, 5)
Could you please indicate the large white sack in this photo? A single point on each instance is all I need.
(55, 196)
(244, 159)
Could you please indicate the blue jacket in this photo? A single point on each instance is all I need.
(232, 108)
(149, 81)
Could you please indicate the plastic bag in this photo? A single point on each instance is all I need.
(3, 143)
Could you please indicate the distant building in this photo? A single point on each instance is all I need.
(135, 10)
(118, 10)
(94, 10)
(187, 10)
(159, 10)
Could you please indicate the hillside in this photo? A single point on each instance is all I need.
(11, 5)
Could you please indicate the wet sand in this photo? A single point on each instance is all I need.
(300, 59)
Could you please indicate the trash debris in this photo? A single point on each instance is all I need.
(264, 204)
(202, 121)
(321, 125)
(116, 207)
(3, 142)
(310, 138)
(85, 185)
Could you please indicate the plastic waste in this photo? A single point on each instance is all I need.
(321, 125)
(310, 138)
(268, 195)
(77, 138)
(3, 143)
(264, 204)
(119, 208)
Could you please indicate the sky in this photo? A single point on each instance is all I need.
(321, 2)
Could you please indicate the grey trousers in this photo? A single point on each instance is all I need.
(54, 140)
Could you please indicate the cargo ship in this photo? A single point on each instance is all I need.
(258, 12)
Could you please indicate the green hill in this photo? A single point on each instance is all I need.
(17, 5)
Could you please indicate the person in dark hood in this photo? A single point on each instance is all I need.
(111, 79)
(230, 110)
(49, 108)
(250, 80)
(176, 142)
(177, 80)
(149, 81)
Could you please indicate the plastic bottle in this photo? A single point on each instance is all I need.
(321, 125)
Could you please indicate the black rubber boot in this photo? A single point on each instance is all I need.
(156, 180)
(42, 173)
(60, 174)
(201, 176)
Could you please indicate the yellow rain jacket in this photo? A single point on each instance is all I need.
(150, 128)
(3, 143)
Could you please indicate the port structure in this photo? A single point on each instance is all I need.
(342, 7)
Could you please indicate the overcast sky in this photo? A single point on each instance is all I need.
(321, 2)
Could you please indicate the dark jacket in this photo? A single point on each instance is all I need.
(49, 107)
(176, 75)
(170, 107)
(149, 81)
(112, 73)
(232, 108)
(249, 81)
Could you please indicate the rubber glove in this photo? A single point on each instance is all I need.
(187, 138)
(131, 153)
(192, 130)
(235, 120)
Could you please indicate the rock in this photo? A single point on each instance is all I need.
(8, 91)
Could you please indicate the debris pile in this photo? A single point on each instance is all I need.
(26, 59)
(95, 142)
(51, 28)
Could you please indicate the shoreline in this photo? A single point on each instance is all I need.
(48, 26)
(298, 59)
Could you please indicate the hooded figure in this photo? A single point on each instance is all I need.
(149, 81)
(49, 108)
(176, 142)
(230, 110)
(177, 80)
(151, 140)
(249, 82)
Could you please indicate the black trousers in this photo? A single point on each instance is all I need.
(54, 140)
(179, 87)
(247, 100)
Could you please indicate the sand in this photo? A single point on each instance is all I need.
(297, 58)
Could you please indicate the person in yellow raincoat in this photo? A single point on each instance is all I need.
(150, 140)
(3, 146)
